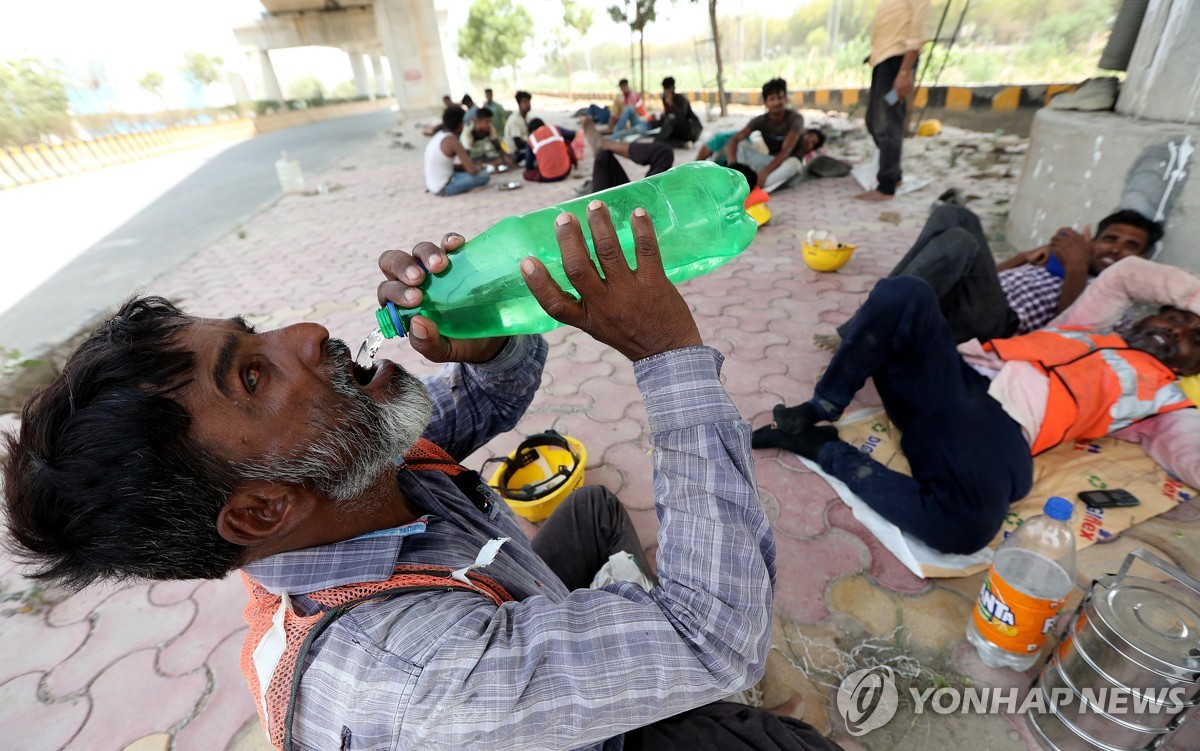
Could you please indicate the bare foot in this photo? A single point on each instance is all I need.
(873, 195)
(593, 137)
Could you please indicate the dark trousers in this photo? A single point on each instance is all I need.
(607, 171)
(678, 132)
(952, 254)
(728, 727)
(969, 459)
(885, 122)
(577, 539)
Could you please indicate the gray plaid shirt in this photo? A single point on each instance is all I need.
(554, 669)
(1033, 294)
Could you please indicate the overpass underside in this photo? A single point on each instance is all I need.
(405, 32)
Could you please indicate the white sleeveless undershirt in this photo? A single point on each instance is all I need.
(439, 168)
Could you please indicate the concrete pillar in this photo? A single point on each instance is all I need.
(1163, 81)
(412, 43)
(1083, 165)
(241, 92)
(381, 82)
(362, 86)
(268, 84)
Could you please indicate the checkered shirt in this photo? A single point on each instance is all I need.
(1032, 293)
(553, 669)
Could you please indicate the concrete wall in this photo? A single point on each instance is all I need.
(1075, 173)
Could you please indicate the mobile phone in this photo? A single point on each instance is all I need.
(891, 98)
(1108, 498)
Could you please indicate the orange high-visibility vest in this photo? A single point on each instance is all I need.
(1098, 383)
(551, 151)
(274, 649)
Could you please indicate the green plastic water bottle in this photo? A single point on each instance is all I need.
(698, 214)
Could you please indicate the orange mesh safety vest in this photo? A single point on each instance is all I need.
(1098, 383)
(274, 649)
(551, 151)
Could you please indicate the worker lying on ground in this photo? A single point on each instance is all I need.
(972, 417)
(983, 300)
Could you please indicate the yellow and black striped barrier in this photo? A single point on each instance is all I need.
(949, 98)
(22, 165)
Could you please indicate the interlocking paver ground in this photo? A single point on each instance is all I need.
(116, 665)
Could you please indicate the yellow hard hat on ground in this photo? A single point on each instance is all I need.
(540, 474)
(760, 213)
(823, 252)
(929, 127)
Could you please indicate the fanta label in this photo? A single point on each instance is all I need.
(1012, 620)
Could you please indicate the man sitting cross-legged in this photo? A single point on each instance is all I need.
(970, 427)
(483, 143)
(449, 169)
(176, 447)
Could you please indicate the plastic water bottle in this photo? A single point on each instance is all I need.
(291, 176)
(698, 214)
(1030, 578)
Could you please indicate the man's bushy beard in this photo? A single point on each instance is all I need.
(357, 437)
(1142, 338)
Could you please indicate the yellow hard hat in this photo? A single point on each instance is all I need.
(540, 474)
(760, 213)
(822, 251)
(929, 127)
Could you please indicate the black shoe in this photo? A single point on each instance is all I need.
(807, 444)
(795, 419)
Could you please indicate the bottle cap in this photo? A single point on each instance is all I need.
(389, 321)
(1059, 508)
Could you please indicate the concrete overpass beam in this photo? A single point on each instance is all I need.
(412, 43)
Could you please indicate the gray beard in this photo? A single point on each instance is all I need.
(358, 438)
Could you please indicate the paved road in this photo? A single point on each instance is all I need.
(227, 189)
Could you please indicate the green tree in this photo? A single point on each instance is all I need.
(152, 83)
(575, 24)
(33, 102)
(201, 68)
(344, 90)
(308, 88)
(494, 36)
(643, 14)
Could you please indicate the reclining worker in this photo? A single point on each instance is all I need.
(983, 300)
(607, 171)
(969, 428)
(783, 132)
(175, 447)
